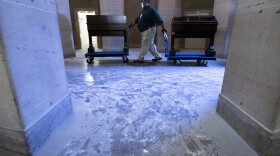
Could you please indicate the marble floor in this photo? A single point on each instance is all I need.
(149, 109)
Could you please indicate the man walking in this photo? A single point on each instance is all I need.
(147, 22)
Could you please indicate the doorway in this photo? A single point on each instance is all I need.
(82, 18)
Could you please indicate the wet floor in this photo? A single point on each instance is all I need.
(149, 109)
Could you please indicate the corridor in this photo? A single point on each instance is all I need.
(150, 109)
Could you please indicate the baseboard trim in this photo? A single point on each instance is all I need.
(38, 133)
(261, 139)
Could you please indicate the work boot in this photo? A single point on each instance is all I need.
(138, 61)
(156, 59)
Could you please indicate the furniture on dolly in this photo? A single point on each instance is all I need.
(193, 27)
(107, 25)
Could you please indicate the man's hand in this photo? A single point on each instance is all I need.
(130, 26)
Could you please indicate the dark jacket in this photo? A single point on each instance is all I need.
(149, 17)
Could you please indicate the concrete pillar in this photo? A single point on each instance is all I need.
(112, 43)
(167, 9)
(66, 34)
(224, 11)
(250, 97)
(34, 94)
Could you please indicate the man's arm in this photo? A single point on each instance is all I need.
(158, 20)
(131, 25)
(163, 28)
(135, 22)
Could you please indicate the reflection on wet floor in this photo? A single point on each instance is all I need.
(151, 109)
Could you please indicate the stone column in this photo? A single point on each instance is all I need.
(112, 43)
(250, 97)
(167, 9)
(224, 11)
(34, 94)
(66, 32)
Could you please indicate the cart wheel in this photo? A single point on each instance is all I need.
(125, 59)
(204, 63)
(178, 62)
(198, 62)
(89, 60)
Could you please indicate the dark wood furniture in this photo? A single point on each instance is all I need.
(194, 27)
(107, 25)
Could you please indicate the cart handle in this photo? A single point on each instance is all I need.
(128, 36)
(166, 49)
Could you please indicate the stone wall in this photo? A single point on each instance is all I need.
(167, 9)
(66, 34)
(112, 43)
(198, 7)
(250, 96)
(32, 65)
(198, 4)
(224, 11)
(78, 5)
(132, 10)
(10, 123)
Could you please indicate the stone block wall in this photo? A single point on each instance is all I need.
(79, 5)
(112, 43)
(167, 9)
(224, 11)
(250, 96)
